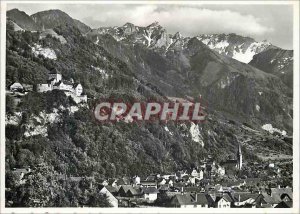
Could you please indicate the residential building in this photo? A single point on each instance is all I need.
(110, 197)
(149, 193)
(16, 87)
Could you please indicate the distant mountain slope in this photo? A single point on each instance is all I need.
(234, 88)
(276, 61)
(15, 26)
(22, 20)
(53, 18)
(238, 47)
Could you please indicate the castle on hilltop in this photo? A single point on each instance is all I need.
(55, 81)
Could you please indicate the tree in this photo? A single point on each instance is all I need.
(9, 105)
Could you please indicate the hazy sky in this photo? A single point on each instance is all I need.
(271, 22)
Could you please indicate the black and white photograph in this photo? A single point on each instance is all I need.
(149, 107)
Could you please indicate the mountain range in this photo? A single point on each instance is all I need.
(246, 86)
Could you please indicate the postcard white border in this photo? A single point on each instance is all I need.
(296, 159)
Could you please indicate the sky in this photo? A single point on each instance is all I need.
(271, 22)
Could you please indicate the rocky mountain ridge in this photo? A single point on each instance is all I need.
(155, 36)
(44, 20)
(276, 61)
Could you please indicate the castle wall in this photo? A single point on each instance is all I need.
(44, 87)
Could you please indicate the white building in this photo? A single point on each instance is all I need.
(221, 171)
(149, 193)
(223, 202)
(137, 180)
(16, 87)
(201, 174)
(78, 89)
(194, 173)
(163, 182)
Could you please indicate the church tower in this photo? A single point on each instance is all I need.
(239, 157)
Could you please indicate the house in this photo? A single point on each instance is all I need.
(189, 201)
(264, 200)
(219, 200)
(223, 201)
(16, 87)
(104, 182)
(149, 193)
(200, 200)
(182, 201)
(137, 180)
(271, 165)
(123, 190)
(162, 181)
(221, 171)
(201, 173)
(194, 173)
(129, 191)
(285, 204)
(110, 197)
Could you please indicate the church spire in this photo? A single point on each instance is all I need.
(240, 157)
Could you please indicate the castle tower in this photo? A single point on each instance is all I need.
(54, 74)
(239, 157)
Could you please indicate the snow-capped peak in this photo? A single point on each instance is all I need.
(238, 47)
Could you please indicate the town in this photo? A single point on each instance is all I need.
(210, 185)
